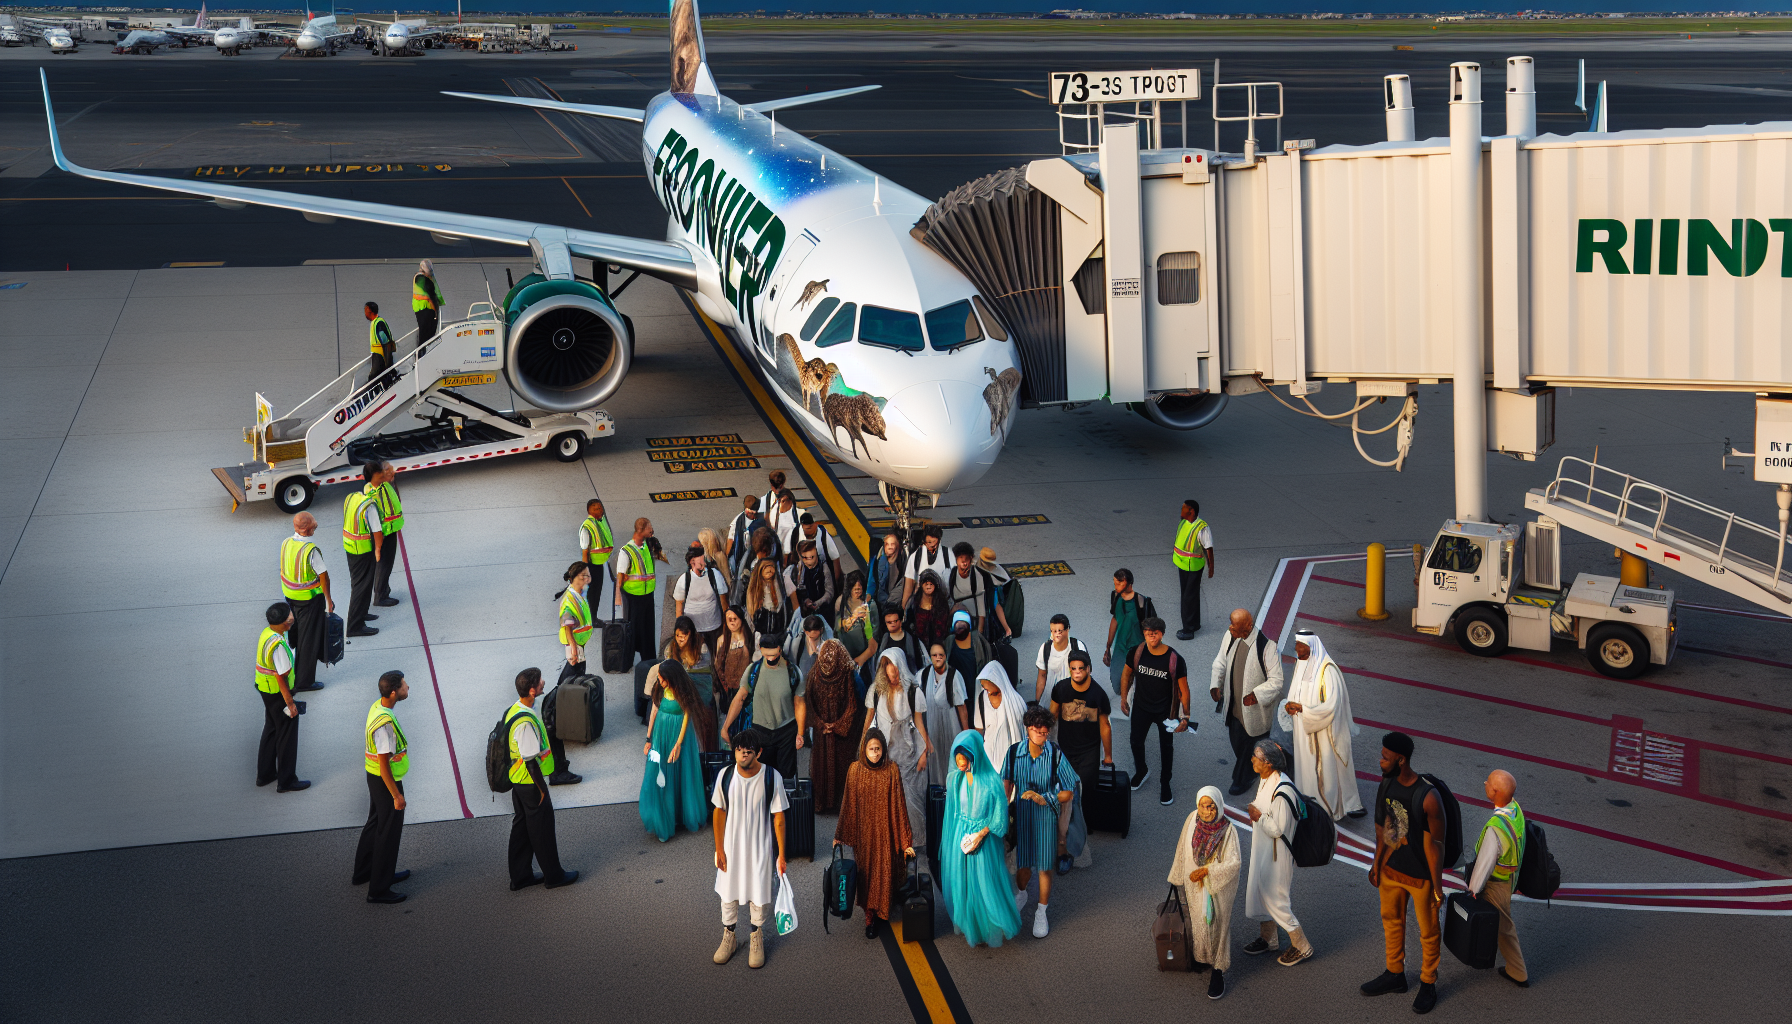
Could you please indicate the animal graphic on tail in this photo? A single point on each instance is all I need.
(859, 414)
(812, 289)
(1000, 396)
(814, 375)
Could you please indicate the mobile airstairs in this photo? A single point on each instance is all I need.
(327, 437)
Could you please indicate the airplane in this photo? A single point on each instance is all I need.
(313, 36)
(58, 39)
(879, 349)
(55, 34)
(399, 34)
(229, 39)
(142, 41)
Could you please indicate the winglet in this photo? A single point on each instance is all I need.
(50, 116)
(592, 109)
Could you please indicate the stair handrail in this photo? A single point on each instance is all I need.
(349, 374)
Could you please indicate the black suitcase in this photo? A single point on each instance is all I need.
(335, 639)
(619, 654)
(641, 670)
(575, 711)
(799, 821)
(917, 905)
(936, 819)
(1471, 929)
(714, 762)
(1108, 807)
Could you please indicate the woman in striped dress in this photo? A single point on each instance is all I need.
(1041, 784)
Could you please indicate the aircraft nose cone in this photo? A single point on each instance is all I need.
(944, 426)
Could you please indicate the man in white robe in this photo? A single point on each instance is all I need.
(1317, 715)
(1267, 889)
(749, 803)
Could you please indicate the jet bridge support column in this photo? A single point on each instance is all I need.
(1469, 366)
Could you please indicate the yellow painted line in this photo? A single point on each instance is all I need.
(575, 195)
(922, 973)
(841, 508)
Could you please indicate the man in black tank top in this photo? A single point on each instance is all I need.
(1409, 853)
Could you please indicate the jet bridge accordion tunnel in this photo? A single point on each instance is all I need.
(1170, 279)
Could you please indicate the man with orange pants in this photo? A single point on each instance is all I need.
(1409, 855)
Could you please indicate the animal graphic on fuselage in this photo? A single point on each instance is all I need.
(814, 376)
(858, 414)
(687, 53)
(1000, 396)
(812, 289)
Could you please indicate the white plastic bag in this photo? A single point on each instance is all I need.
(784, 911)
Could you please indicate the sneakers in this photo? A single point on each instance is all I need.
(1426, 999)
(1257, 945)
(1040, 928)
(1020, 901)
(756, 949)
(1294, 955)
(1384, 983)
(725, 951)
(1139, 777)
(1216, 985)
(564, 778)
(1165, 797)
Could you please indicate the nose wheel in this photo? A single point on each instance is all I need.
(901, 502)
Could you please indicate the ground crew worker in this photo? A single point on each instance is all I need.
(426, 301)
(1498, 853)
(382, 349)
(635, 586)
(386, 760)
(1194, 552)
(532, 825)
(391, 522)
(306, 584)
(596, 542)
(278, 758)
(363, 540)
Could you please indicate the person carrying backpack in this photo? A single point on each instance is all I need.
(1499, 853)
(1126, 609)
(1268, 887)
(1410, 831)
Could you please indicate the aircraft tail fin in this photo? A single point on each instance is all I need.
(199, 20)
(690, 68)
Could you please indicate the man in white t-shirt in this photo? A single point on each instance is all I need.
(826, 547)
(780, 518)
(1054, 656)
(931, 555)
(376, 855)
(749, 835)
(701, 594)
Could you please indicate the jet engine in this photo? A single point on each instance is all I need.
(567, 348)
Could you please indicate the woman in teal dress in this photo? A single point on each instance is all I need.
(979, 891)
(672, 784)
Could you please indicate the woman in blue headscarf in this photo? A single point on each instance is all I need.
(979, 891)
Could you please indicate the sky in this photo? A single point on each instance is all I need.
(909, 6)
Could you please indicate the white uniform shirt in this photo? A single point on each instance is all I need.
(370, 519)
(281, 659)
(941, 563)
(528, 741)
(317, 556)
(385, 740)
(698, 592)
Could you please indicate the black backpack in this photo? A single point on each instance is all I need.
(1452, 814)
(838, 888)
(1315, 836)
(1538, 875)
(497, 754)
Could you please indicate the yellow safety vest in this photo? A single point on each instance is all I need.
(267, 678)
(355, 539)
(377, 716)
(637, 582)
(376, 328)
(1507, 823)
(297, 580)
(1189, 552)
(603, 542)
(391, 509)
(581, 612)
(519, 772)
(424, 294)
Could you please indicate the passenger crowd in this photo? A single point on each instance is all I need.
(900, 681)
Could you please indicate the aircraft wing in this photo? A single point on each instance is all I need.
(807, 98)
(595, 110)
(664, 260)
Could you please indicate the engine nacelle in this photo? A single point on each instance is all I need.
(1183, 412)
(566, 348)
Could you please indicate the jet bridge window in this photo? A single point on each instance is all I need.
(819, 317)
(950, 327)
(839, 329)
(1455, 554)
(1178, 278)
(891, 328)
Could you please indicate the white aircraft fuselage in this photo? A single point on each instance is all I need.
(59, 40)
(793, 242)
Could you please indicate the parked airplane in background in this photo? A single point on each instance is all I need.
(55, 34)
(314, 36)
(882, 351)
(59, 39)
(229, 39)
(401, 35)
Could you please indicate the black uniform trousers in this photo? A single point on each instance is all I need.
(278, 758)
(378, 364)
(1190, 579)
(382, 580)
(426, 324)
(307, 639)
(1142, 724)
(532, 834)
(1243, 775)
(376, 856)
(637, 609)
(361, 570)
(594, 594)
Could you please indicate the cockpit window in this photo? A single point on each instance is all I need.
(948, 327)
(819, 317)
(891, 328)
(839, 329)
(990, 323)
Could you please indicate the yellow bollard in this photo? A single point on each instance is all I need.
(1632, 570)
(1375, 601)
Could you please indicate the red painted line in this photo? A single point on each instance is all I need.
(1743, 612)
(1738, 657)
(1540, 663)
(1521, 705)
(434, 684)
(1739, 752)
(1342, 583)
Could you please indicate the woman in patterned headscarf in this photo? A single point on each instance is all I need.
(833, 705)
(1206, 867)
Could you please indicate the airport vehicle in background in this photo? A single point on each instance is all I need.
(61, 35)
(326, 438)
(143, 41)
(12, 35)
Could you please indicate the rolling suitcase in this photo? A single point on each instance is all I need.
(936, 819)
(714, 761)
(799, 821)
(619, 654)
(335, 639)
(1108, 807)
(577, 709)
(1471, 930)
(641, 671)
(917, 905)
(1169, 931)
